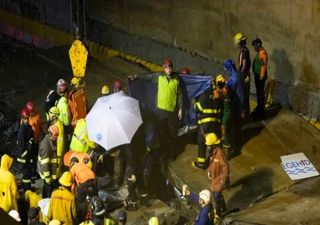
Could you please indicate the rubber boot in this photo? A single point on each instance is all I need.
(227, 151)
(200, 165)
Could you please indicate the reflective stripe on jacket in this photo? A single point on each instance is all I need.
(47, 159)
(167, 93)
(80, 141)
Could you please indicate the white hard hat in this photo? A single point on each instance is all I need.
(205, 195)
(15, 215)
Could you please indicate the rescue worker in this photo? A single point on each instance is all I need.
(62, 105)
(206, 214)
(169, 102)
(208, 109)
(54, 96)
(80, 141)
(259, 68)
(218, 173)
(224, 93)
(236, 101)
(8, 187)
(62, 203)
(244, 65)
(77, 100)
(24, 145)
(185, 71)
(117, 86)
(54, 113)
(48, 161)
(105, 90)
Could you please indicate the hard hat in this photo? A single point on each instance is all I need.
(257, 42)
(54, 111)
(62, 85)
(238, 37)
(66, 179)
(212, 139)
(24, 113)
(205, 195)
(15, 215)
(54, 222)
(98, 206)
(228, 64)
(185, 71)
(54, 130)
(105, 90)
(167, 63)
(75, 81)
(117, 84)
(30, 106)
(153, 221)
(219, 79)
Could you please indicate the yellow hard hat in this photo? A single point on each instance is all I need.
(153, 221)
(66, 179)
(239, 37)
(105, 90)
(212, 139)
(219, 78)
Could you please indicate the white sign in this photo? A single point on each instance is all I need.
(298, 166)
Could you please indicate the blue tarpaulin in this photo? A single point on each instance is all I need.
(146, 92)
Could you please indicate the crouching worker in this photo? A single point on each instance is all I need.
(206, 214)
(218, 173)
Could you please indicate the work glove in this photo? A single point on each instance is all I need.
(180, 114)
(247, 79)
(185, 190)
(209, 176)
(48, 180)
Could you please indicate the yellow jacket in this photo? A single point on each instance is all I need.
(8, 187)
(60, 145)
(63, 107)
(62, 206)
(80, 141)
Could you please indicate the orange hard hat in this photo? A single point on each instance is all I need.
(167, 63)
(24, 113)
(185, 71)
(54, 130)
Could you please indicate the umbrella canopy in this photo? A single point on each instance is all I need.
(113, 120)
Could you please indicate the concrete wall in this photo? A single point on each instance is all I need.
(288, 28)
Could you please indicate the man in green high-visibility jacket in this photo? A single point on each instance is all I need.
(169, 102)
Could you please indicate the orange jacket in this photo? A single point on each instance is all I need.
(78, 105)
(81, 173)
(35, 123)
(219, 170)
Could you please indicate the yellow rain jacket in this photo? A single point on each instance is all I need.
(80, 141)
(8, 187)
(62, 206)
(60, 145)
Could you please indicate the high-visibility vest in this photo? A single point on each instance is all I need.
(80, 141)
(63, 107)
(167, 93)
(78, 105)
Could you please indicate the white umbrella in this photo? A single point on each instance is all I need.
(113, 120)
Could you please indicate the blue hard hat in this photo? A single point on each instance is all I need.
(228, 64)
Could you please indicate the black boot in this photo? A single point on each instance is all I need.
(130, 205)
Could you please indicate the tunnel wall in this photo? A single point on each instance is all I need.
(288, 29)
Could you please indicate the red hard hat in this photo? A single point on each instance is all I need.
(185, 71)
(117, 84)
(168, 63)
(30, 106)
(24, 113)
